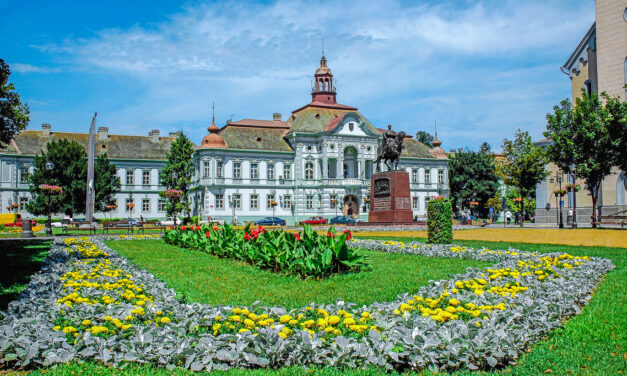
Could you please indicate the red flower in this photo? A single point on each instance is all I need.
(261, 230)
(247, 237)
(297, 236)
(171, 227)
(330, 234)
(208, 234)
(197, 228)
(183, 228)
(215, 229)
(350, 234)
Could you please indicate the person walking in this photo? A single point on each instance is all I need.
(508, 217)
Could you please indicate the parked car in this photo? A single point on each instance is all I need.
(63, 223)
(314, 221)
(212, 220)
(170, 221)
(128, 222)
(468, 216)
(271, 221)
(342, 220)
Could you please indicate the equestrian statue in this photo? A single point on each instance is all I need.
(391, 149)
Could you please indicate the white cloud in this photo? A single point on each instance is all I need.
(483, 69)
(28, 68)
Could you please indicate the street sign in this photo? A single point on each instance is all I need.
(561, 203)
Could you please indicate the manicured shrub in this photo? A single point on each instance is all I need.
(439, 221)
(304, 254)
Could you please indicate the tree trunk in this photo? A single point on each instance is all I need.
(522, 216)
(594, 193)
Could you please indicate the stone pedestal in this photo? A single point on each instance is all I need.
(390, 201)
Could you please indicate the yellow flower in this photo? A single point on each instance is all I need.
(282, 335)
(159, 313)
(349, 321)
(453, 302)
(57, 327)
(285, 319)
(249, 323)
(165, 320)
(333, 320)
(365, 315)
(86, 323)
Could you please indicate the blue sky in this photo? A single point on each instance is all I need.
(481, 68)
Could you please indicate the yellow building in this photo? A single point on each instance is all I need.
(599, 64)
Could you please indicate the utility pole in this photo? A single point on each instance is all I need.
(89, 202)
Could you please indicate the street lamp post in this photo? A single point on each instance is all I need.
(560, 176)
(574, 172)
(49, 167)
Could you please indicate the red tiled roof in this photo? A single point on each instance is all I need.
(327, 105)
(261, 123)
(332, 124)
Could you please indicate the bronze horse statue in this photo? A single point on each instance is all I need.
(391, 152)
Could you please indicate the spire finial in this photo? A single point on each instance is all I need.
(213, 112)
(435, 124)
(322, 44)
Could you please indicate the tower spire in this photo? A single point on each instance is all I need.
(436, 143)
(213, 112)
(323, 44)
(435, 125)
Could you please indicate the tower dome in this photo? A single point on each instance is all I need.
(213, 140)
(323, 85)
(437, 150)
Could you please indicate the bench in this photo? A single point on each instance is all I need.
(80, 226)
(119, 225)
(151, 226)
(612, 220)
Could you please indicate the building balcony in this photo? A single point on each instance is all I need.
(351, 182)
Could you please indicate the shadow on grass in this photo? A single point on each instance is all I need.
(19, 259)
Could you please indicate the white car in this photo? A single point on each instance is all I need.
(61, 224)
(170, 221)
(210, 220)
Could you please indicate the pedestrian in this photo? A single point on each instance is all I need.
(508, 217)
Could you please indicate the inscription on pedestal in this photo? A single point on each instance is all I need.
(402, 203)
(382, 203)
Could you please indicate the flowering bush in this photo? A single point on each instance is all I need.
(306, 254)
(90, 303)
(173, 194)
(439, 221)
(573, 187)
(51, 189)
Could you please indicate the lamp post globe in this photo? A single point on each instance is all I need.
(49, 166)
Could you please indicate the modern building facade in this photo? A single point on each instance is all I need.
(598, 64)
(318, 162)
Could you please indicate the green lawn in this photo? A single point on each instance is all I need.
(208, 279)
(19, 259)
(592, 343)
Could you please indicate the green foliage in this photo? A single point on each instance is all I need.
(472, 177)
(589, 137)
(70, 172)
(14, 116)
(179, 162)
(425, 137)
(306, 254)
(524, 167)
(439, 221)
(106, 182)
(528, 202)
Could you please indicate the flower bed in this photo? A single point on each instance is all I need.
(90, 303)
(305, 254)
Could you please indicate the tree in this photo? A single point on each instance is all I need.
(524, 166)
(425, 137)
(14, 116)
(485, 148)
(106, 182)
(70, 172)
(177, 174)
(583, 140)
(472, 177)
(617, 127)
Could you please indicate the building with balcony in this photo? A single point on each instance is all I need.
(318, 162)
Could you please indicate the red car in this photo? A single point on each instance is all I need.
(314, 221)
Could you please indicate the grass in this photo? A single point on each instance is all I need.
(19, 259)
(592, 343)
(204, 278)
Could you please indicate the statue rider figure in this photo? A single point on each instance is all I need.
(388, 140)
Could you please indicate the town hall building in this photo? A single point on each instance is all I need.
(317, 162)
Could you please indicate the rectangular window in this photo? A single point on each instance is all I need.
(287, 171)
(23, 202)
(218, 169)
(441, 176)
(162, 203)
(146, 177)
(254, 201)
(219, 201)
(427, 202)
(24, 175)
(427, 176)
(309, 202)
(287, 202)
(333, 201)
(205, 169)
(254, 171)
(237, 201)
(414, 175)
(414, 202)
(130, 204)
(130, 177)
(269, 200)
(145, 205)
(237, 170)
(270, 171)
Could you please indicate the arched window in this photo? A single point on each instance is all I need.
(309, 171)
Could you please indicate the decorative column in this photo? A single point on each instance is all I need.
(325, 162)
(340, 162)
